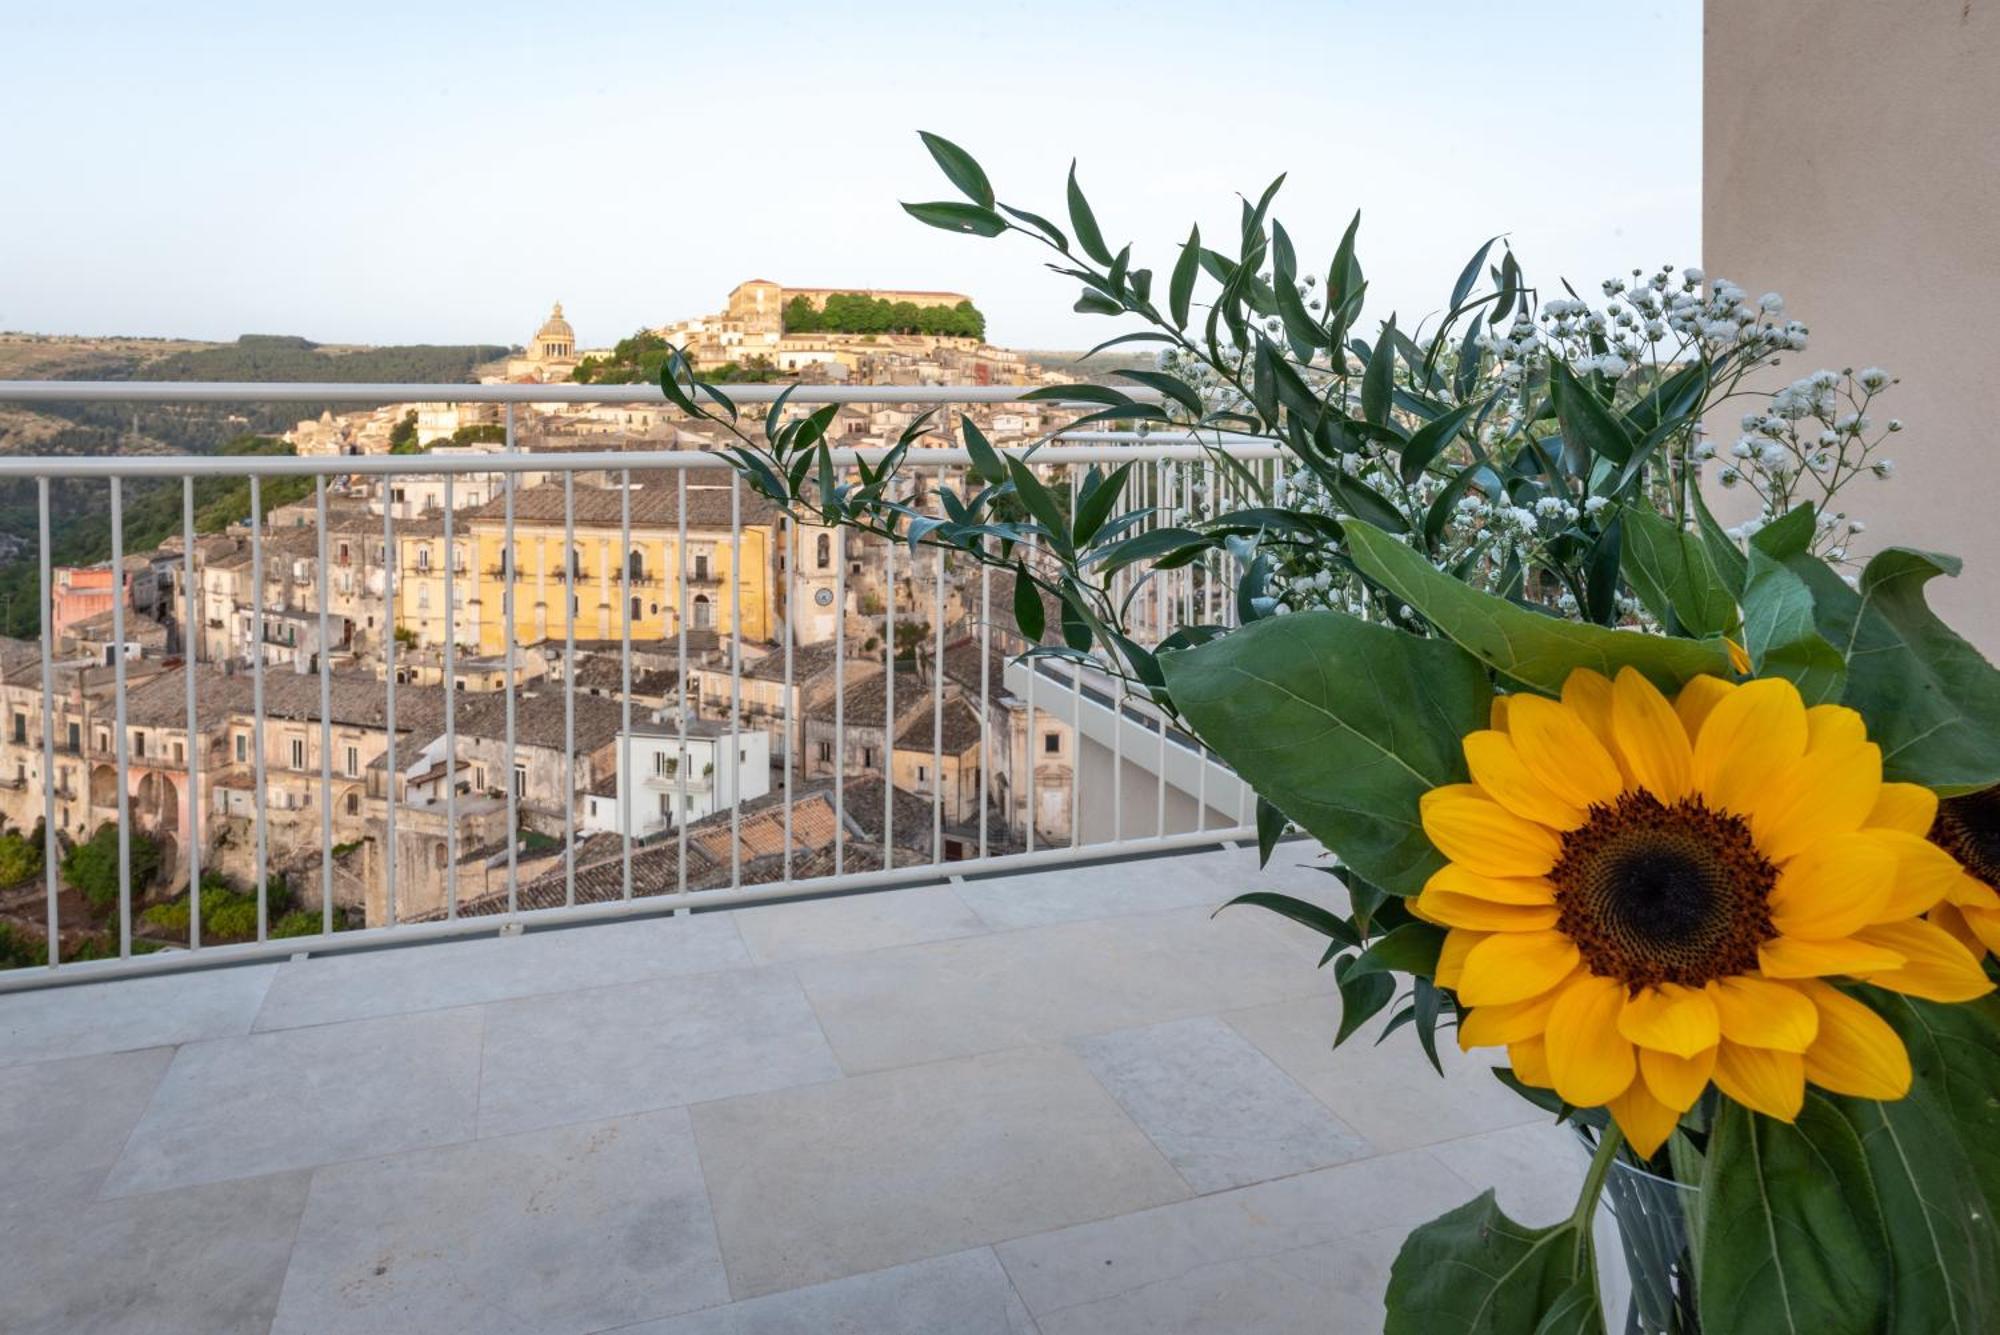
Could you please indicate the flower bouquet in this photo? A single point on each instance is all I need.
(1694, 827)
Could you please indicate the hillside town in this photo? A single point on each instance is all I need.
(697, 690)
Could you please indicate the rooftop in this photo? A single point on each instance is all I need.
(1066, 1101)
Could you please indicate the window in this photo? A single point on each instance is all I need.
(20, 728)
(76, 736)
(826, 753)
(180, 753)
(1052, 743)
(479, 777)
(520, 780)
(353, 766)
(701, 566)
(635, 565)
(824, 550)
(242, 748)
(666, 805)
(138, 743)
(441, 855)
(635, 609)
(704, 615)
(921, 775)
(343, 557)
(298, 753)
(867, 757)
(423, 555)
(354, 804)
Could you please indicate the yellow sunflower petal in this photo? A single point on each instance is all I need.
(1563, 751)
(1828, 792)
(1760, 1013)
(1953, 920)
(1591, 1061)
(1697, 698)
(1587, 694)
(1496, 714)
(1530, 1060)
(1676, 1081)
(1491, 1026)
(1645, 1120)
(1451, 959)
(1499, 771)
(1909, 807)
(1753, 735)
(1856, 1052)
(1834, 888)
(1651, 740)
(1762, 1079)
(1449, 909)
(1513, 966)
(1985, 924)
(1670, 1018)
(1470, 828)
(1797, 957)
(1925, 874)
(1500, 889)
(1969, 892)
(1834, 727)
(1936, 967)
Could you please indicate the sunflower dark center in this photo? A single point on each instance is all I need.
(1658, 893)
(1968, 828)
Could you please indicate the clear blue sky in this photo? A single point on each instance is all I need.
(439, 172)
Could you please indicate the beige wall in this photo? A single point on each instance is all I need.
(1851, 153)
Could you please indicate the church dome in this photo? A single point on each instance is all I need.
(555, 327)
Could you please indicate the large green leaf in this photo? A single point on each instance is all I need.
(1535, 650)
(1781, 636)
(960, 167)
(1791, 1242)
(1474, 1271)
(1931, 700)
(1341, 724)
(1674, 574)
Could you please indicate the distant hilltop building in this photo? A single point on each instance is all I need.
(866, 334)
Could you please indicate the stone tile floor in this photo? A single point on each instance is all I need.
(1063, 1102)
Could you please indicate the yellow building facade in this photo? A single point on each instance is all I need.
(599, 581)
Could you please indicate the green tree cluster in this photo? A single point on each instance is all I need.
(858, 313)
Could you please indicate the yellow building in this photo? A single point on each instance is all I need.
(592, 580)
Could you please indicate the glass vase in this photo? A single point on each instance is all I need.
(1650, 1214)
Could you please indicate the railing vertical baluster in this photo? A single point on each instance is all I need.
(889, 699)
(325, 718)
(1160, 493)
(985, 693)
(572, 575)
(1076, 710)
(389, 620)
(625, 656)
(451, 706)
(50, 890)
(123, 741)
(937, 699)
(191, 794)
(735, 679)
(839, 701)
(681, 686)
(508, 614)
(1033, 666)
(259, 769)
(791, 559)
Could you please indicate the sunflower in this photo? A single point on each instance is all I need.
(1645, 896)
(1968, 828)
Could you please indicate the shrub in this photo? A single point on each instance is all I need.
(235, 920)
(296, 923)
(92, 866)
(20, 857)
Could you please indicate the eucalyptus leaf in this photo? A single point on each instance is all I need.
(1674, 574)
(960, 168)
(953, 216)
(1780, 635)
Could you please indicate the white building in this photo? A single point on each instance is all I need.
(667, 784)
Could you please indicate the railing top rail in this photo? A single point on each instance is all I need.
(528, 461)
(250, 391)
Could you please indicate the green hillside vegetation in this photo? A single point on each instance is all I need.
(79, 510)
(856, 313)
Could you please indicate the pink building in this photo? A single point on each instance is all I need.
(80, 592)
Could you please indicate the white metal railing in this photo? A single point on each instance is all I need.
(1194, 800)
